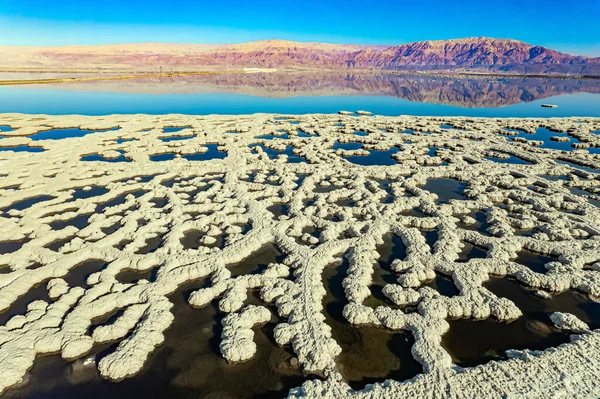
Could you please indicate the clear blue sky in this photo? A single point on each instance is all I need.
(572, 26)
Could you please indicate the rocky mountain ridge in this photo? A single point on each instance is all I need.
(472, 54)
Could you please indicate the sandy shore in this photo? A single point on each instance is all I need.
(353, 179)
(121, 76)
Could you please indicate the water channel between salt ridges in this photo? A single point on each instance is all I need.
(303, 255)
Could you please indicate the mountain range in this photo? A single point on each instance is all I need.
(461, 55)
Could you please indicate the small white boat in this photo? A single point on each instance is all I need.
(549, 105)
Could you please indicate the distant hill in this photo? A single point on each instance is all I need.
(473, 54)
(476, 53)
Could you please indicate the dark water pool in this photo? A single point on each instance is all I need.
(546, 135)
(211, 153)
(176, 138)
(369, 354)
(472, 342)
(57, 134)
(188, 365)
(374, 158)
(446, 189)
(22, 148)
(577, 166)
(100, 158)
(27, 203)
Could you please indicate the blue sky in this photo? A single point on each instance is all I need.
(570, 26)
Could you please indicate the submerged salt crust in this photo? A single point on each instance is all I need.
(139, 212)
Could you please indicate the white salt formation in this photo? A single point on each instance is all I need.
(569, 322)
(184, 205)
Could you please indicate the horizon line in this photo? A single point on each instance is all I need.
(277, 39)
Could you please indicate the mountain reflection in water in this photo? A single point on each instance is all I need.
(467, 92)
(311, 92)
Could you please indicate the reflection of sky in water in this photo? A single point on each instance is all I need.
(577, 166)
(22, 148)
(346, 146)
(374, 158)
(546, 135)
(57, 134)
(61, 101)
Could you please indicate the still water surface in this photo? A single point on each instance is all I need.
(293, 93)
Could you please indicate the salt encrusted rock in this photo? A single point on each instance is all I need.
(364, 113)
(569, 322)
(237, 343)
(208, 240)
(131, 354)
(345, 112)
(468, 220)
(121, 326)
(357, 314)
(401, 296)
(57, 287)
(14, 141)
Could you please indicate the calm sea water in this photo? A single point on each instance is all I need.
(302, 93)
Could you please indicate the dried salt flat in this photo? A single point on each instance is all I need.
(83, 237)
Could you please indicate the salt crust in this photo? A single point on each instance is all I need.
(219, 196)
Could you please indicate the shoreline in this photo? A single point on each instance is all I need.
(142, 74)
(108, 78)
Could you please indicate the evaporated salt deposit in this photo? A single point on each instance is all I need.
(69, 258)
